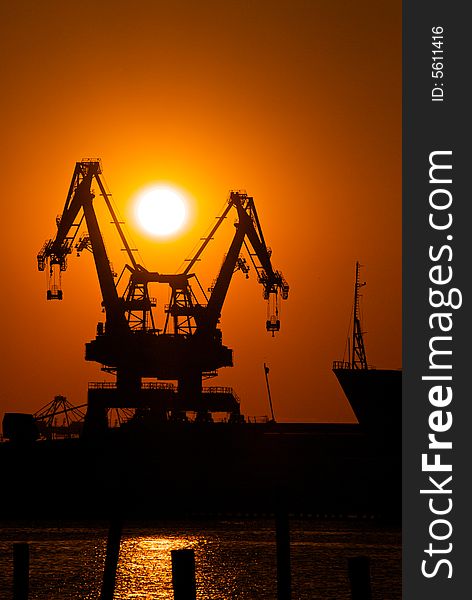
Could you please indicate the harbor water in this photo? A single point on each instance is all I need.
(235, 558)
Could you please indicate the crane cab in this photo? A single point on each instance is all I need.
(54, 294)
(273, 324)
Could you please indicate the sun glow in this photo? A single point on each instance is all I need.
(161, 210)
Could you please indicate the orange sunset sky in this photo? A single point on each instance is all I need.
(298, 102)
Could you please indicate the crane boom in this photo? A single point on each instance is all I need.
(248, 226)
(55, 251)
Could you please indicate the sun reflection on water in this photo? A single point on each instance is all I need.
(145, 565)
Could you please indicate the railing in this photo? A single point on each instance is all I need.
(155, 385)
(217, 389)
(101, 385)
(341, 364)
(147, 385)
(168, 307)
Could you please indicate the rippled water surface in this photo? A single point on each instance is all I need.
(234, 559)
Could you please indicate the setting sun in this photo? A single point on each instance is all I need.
(161, 209)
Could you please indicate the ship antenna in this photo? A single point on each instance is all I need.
(358, 356)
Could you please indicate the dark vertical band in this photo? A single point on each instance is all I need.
(437, 253)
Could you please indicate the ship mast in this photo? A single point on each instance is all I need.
(358, 357)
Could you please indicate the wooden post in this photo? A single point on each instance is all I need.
(183, 574)
(20, 571)
(359, 576)
(111, 560)
(282, 535)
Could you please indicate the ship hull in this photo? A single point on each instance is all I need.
(375, 397)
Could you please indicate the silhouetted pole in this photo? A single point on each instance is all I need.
(111, 560)
(282, 535)
(20, 571)
(359, 576)
(183, 574)
(266, 372)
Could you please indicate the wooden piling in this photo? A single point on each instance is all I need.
(111, 559)
(359, 576)
(183, 574)
(20, 571)
(282, 534)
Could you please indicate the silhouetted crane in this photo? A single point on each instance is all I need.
(190, 346)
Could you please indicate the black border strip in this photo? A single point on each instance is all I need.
(433, 126)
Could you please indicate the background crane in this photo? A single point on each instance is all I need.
(190, 346)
